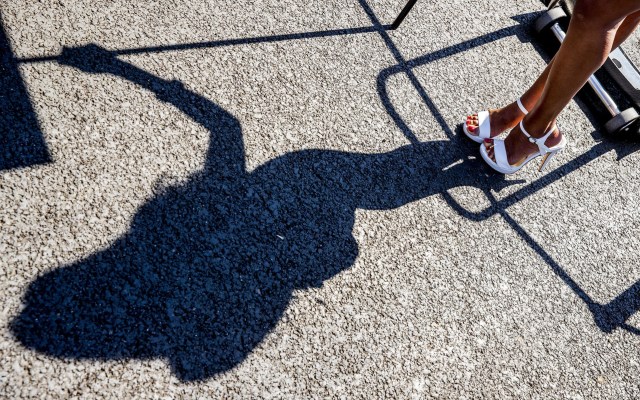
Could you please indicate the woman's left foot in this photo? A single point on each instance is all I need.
(501, 119)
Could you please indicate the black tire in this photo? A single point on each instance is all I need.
(550, 17)
(621, 123)
(551, 3)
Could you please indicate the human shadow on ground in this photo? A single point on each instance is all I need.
(21, 141)
(208, 267)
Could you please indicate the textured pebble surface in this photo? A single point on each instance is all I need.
(247, 219)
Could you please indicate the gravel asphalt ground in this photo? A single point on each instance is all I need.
(273, 199)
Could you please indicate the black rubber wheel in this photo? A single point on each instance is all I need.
(621, 123)
(546, 20)
(551, 3)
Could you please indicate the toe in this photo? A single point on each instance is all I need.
(472, 123)
(488, 145)
(491, 154)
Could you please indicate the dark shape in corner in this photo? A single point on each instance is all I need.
(21, 141)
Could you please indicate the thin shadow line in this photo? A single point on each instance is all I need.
(402, 64)
(546, 257)
(500, 205)
(407, 67)
(608, 316)
(630, 329)
(228, 42)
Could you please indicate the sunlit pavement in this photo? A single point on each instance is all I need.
(275, 200)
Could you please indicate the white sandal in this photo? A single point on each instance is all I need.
(502, 164)
(484, 125)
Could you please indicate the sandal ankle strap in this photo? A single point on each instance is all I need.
(538, 141)
(522, 107)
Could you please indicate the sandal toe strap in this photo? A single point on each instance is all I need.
(484, 125)
(500, 153)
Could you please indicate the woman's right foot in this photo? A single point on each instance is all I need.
(518, 146)
(501, 119)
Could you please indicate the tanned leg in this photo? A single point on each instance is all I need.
(509, 116)
(589, 41)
